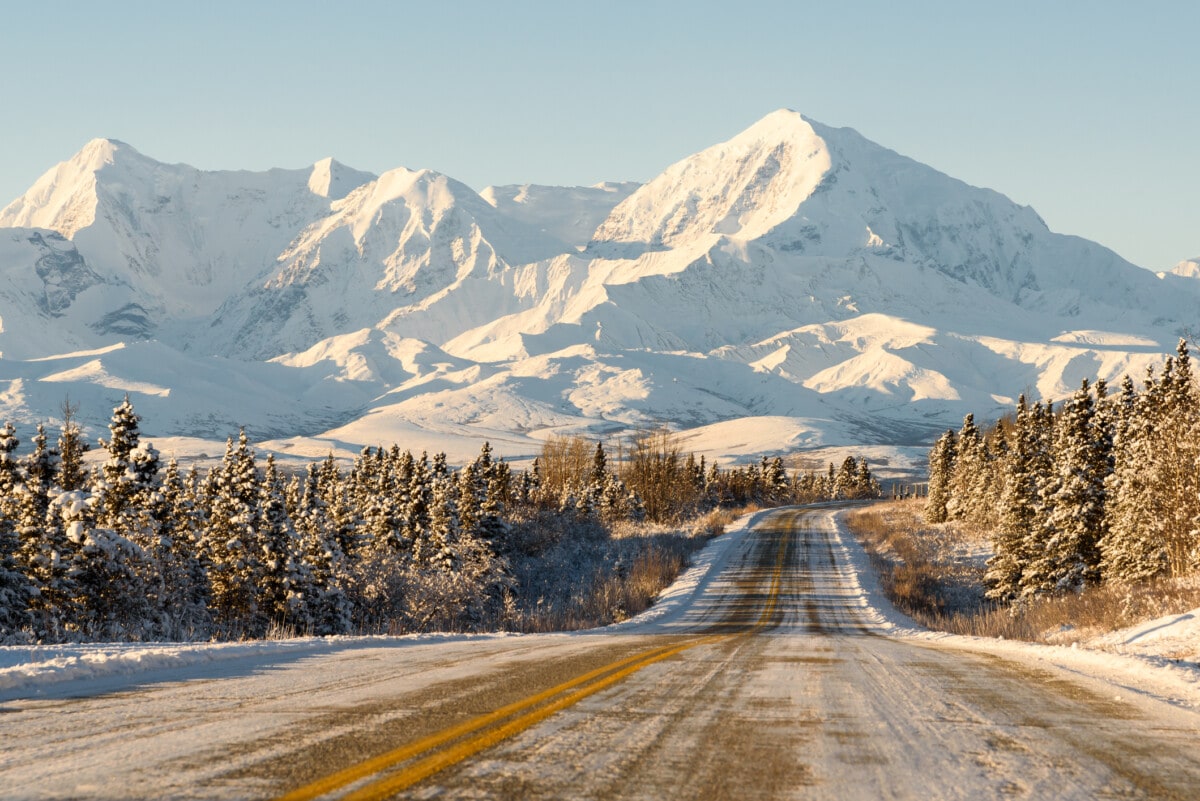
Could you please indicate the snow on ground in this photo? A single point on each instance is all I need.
(1174, 638)
(1159, 659)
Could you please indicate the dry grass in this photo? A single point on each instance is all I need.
(923, 571)
(586, 577)
(713, 523)
(929, 572)
(612, 595)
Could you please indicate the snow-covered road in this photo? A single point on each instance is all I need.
(771, 670)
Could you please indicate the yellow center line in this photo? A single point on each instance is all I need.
(383, 761)
(595, 681)
(441, 760)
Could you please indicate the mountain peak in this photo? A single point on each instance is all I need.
(334, 180)
(64, 197)
(782, 123)
(1189, 268)
(99, 152)
(742, 187)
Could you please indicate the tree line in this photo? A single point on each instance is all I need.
(132, 549)
(1105, 487)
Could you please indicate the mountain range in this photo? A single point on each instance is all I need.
(796, 286)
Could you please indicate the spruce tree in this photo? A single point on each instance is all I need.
(117, 483)
(968, 466)
(282, 581)
(1018, 510)
(107, 574)
(232, 540)
(16, 590)
(1071, 555)
(941, 472)
(71, 447)
(327, 604)
(186, 595)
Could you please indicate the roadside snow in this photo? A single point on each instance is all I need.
(1174, 638)
(28, 671)
(672, 605)
(1158, 659)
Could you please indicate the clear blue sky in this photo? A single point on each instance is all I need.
(1088, 111)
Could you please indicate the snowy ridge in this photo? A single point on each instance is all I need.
(1188, 269)
(797, 275)
(743, 187)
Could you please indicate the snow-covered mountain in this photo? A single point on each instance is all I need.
(796, 275)
(1189, 268)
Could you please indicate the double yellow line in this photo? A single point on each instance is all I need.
(472, 736)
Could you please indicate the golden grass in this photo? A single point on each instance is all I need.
(918, 574)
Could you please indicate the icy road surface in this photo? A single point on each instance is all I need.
(767, 672)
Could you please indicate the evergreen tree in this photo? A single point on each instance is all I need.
(941, 472)
(117, 484)
(30, 496)
(1070, 557)
(71, 447)
(9, 470)
(494, 530)
(1019, 506)
(471, 491)
(775, 478)
(342, 519)
(282, 582)
(107, 574)
(1154, 491)
(16, 590)
(185, 597)
(436, 549)
(328, 607)
(232, 540)
(964, 496)
(417, 513)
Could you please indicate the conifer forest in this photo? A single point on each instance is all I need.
(1103, 487)
(126, 548)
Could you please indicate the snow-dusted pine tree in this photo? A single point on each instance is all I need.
(328, 607)
(232, 540)
(71, 447)
(1070, 556)
(282, 584)
(185, 597)
(1154, 491)
(1019, 508)
(107, 573)
(16, 590)
(941, 472)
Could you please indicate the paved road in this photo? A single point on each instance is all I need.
(771, 683)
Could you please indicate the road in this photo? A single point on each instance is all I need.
(770, 682)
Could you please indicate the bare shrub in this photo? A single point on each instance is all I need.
(565, 462)
(654, 468)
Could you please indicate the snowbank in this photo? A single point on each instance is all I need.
(1158, 659)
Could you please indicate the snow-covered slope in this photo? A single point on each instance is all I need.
(177, 241)
(1188, 269)
(570, 214)
(798, 277)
